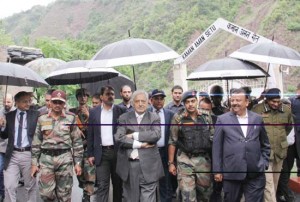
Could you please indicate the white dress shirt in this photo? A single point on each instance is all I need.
(136, 143)
(243, 120)
(24, 141)
(161, 114)
(107, 129)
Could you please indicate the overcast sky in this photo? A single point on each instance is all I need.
(10, 7)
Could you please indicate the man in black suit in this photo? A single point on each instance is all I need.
(158, 100)
(19, 129)
(241, 151)
(101, 146)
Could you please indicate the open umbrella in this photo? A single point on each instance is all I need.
(227, 69)
(130, 52)
(43, 66)
(116, 83)
(16, 75)
(268, 52)
(75, 72)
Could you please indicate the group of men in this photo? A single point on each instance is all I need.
(216, 153)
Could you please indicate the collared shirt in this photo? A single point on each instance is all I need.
(136, 143)
(24, 141)
(106, 121)
(173, 107)
(243, 120)
(161, 114)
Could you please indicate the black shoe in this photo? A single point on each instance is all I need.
(21, 183)
(85, 198)
(281, 199)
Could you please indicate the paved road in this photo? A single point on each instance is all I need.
(76, 193)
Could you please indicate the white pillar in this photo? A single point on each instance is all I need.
(180, 75)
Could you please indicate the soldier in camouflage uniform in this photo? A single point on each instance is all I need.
(56, 145)
(87, 178)
(192, 135)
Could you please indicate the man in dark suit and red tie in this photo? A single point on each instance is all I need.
(19, 129)
(241, 151)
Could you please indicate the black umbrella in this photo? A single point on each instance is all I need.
(130, 52)
(268, 52)
(116, 83)
(227, 69)
(75, 72)
(16, 75)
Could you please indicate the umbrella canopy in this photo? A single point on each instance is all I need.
(43, 66)
(75, 72)
(268, 52)
(227, 68)
(17, 75)
(132, 51)
(116, 83)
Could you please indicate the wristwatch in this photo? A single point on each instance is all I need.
(169, 163)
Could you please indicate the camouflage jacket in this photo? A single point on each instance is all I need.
(57, 134)
(177, 121)
(277, 134)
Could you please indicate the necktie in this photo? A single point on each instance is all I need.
(19, 140)
(135, 154)
(139, 119)
(157, 111)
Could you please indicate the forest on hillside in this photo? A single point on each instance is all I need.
(77, 29)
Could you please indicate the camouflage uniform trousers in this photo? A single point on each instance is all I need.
(194, 185)
(88, 177)
(56, 179)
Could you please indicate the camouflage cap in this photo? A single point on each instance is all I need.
(58, 95)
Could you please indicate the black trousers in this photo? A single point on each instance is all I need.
(288, 163)
(105, 171)
(252, 188)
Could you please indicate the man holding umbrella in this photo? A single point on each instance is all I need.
(19, 129)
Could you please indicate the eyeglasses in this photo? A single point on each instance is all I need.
(57, 102)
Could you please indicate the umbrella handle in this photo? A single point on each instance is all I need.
(266, 81)
(133, 77)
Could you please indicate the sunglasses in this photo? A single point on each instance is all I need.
(57, 102)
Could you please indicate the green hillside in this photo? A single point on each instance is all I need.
(76, 29)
